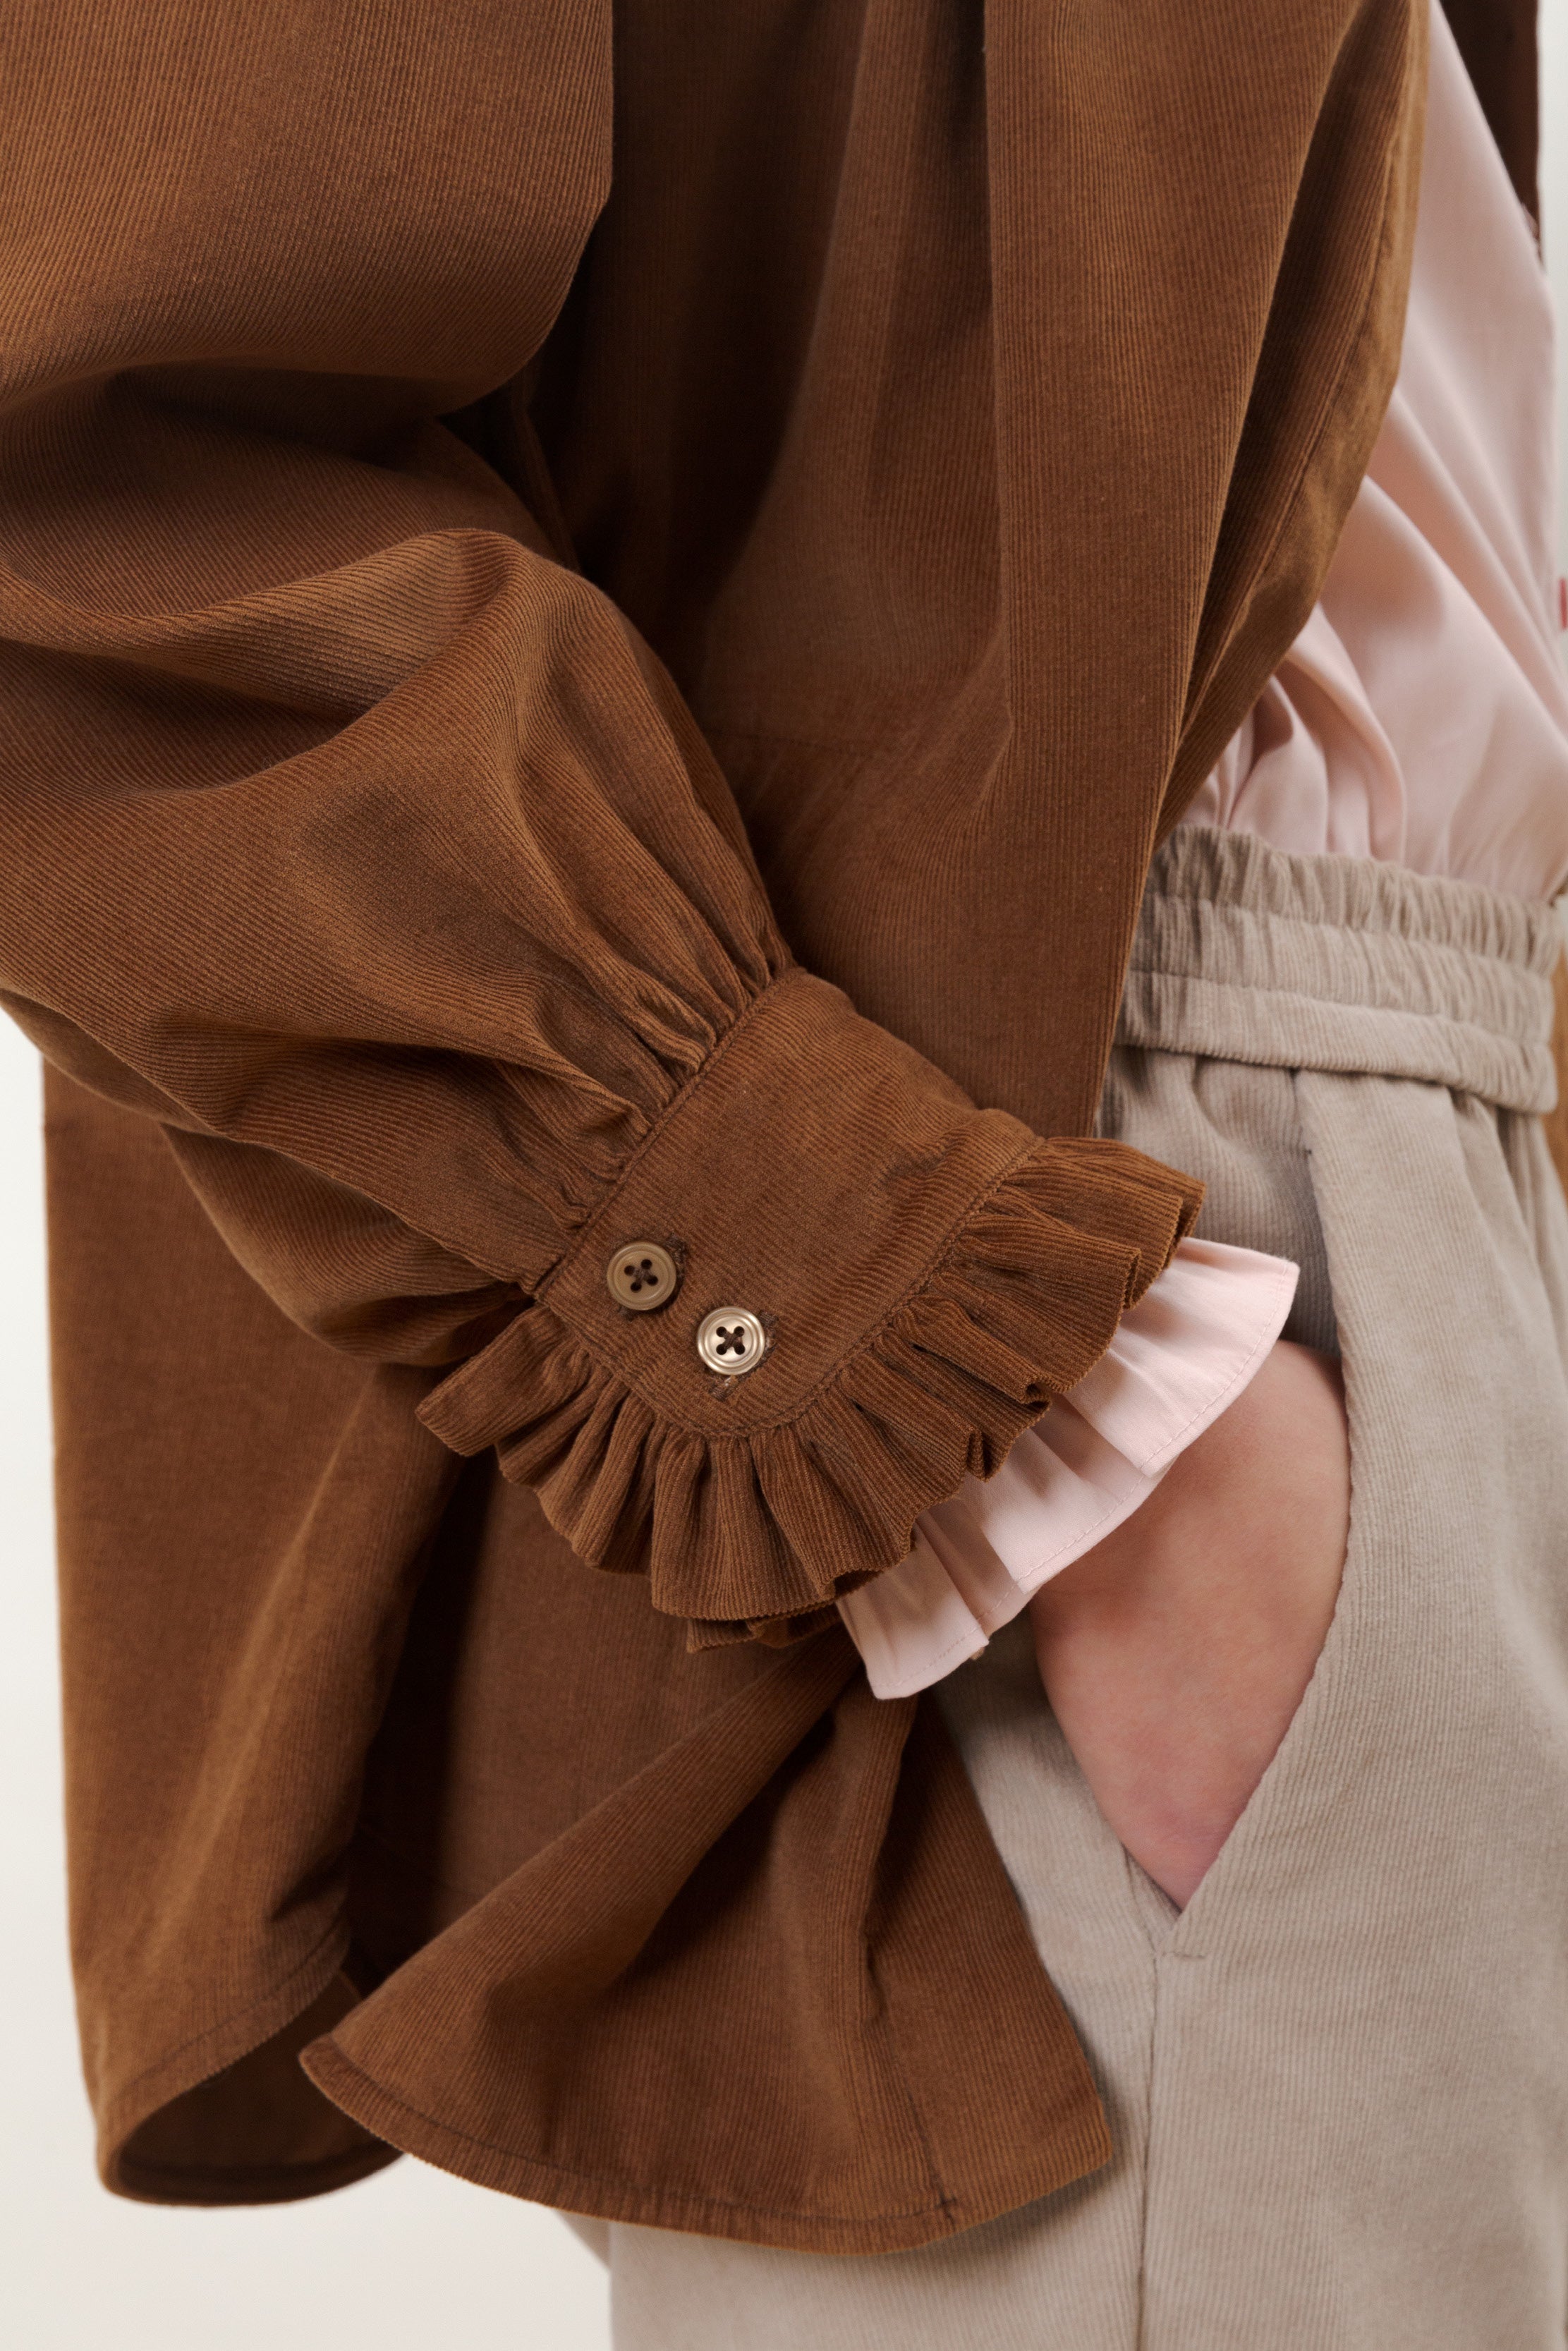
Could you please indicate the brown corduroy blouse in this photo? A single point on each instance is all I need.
(602, 607)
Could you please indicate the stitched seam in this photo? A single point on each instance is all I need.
(919, 1281)
(953, 1648)
(256, 2174)
(944, 2202)
(1233, 902)
(668, 1116)
(1519, 976)
(1294, 995)
(596, 2180)
(237, 2016)
(1236, 1380)
(1401, 943)
(1537, 913)
(1209, 978)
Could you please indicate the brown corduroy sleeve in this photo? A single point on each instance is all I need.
(357, 839)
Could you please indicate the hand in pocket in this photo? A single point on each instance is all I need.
(1176, 1653)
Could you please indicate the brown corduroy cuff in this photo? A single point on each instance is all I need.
(926, 1277)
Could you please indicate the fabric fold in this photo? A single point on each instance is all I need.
(1178, 1359)
(956, 1276)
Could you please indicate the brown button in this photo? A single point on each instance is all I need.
(731, 1339)
(642, 1276)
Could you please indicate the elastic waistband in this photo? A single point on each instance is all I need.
(1245, 953)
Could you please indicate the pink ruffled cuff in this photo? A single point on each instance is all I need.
(1178, 1358)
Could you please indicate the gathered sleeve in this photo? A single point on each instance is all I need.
(357, 838)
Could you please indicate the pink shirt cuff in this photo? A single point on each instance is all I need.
(1184, 1352)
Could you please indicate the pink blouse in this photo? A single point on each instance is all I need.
(1421, 717)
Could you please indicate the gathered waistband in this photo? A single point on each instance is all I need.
(1245, 953)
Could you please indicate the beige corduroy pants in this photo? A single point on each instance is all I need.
(1338, 2083)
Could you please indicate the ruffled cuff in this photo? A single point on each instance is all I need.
(1179, 1358)
(926, 1277)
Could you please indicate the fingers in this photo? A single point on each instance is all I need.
(1177, 1653)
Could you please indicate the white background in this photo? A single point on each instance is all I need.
(407, 2260)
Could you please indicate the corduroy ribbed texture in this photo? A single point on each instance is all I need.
(483, 614)
(920, 1316)
(1244, 954)
(1336, 2081)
